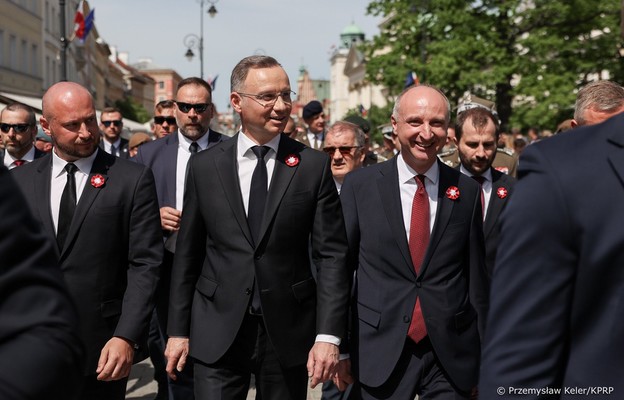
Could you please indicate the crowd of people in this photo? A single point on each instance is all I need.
(307, 258)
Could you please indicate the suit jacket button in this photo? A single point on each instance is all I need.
(406, 319)
(247, 291)
(418, 284)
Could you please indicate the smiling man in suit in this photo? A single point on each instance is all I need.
(476, 135)
(242, 292)
(102, 212)
(415, 235)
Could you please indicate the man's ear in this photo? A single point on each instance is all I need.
(235, 100)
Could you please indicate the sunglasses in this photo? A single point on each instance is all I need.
(19, 128)
(186, 107)
(344, 150)
(162, 120)
(117, 123)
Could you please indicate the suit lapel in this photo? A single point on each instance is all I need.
(496, 203)
(226, 168)
(616, 153)
(389, 192)
(42, 189)
(101, 164)
(443, 213)
(170, 161)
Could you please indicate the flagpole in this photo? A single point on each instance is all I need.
(63, 42)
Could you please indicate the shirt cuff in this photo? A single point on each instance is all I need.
(328, 339)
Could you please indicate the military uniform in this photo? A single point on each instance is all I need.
(450, 157)
(506, 161)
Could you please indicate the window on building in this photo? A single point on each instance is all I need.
(47, 73)
(24, 54)
(12, 50)
(34, 61)
(2, 47)
(161, 84)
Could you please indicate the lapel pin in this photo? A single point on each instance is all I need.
(292, 160)
(452, 193)
(97, 181)
(501, 192)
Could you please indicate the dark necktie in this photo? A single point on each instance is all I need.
(194, 148)
(68, 205)
(19, 163)
(257, 201)
(418, 243)
(480, 180)
(113, 150)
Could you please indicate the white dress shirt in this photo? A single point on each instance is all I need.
(9, 159)
(486, 186)
(108, 146)
(59, 180)
(408, 187)
(184, 154)
(318, 137)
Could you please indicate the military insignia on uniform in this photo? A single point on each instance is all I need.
(501, 192)
(452, 193)
(449, 163)
(292, 160)
(504, 170)
(97, 181)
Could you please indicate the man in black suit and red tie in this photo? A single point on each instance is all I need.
(476, 135)
(243, 298)
(415, 235)
(18, 129)
(103, 214)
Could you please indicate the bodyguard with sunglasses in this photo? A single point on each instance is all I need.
(111, 125)
(164, 119)
(168, 157)
(19, 129)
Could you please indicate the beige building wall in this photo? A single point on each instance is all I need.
(20, 47)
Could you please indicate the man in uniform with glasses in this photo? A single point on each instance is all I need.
(168, 158)
(164, 119)
(19, 129)
(111, 125)
(243, 299)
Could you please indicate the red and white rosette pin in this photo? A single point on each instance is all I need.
(292, 160)
(501, 192)
(97, 181)
(452, 192)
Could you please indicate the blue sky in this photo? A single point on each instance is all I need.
(295, 32)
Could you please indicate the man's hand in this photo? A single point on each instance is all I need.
(176, 352)
(322, 362)
(170, 219)
(343, 378)
(115, 360)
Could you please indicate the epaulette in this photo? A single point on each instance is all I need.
(447, 153)
(505, 150)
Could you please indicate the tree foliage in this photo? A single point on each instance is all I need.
(133, 110)
(529, 56)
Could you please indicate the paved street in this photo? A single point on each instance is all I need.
(141, 386)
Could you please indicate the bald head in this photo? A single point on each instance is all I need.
(69, 119)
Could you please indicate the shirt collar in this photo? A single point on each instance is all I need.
(83, 164)
(407, 173)
(185, 142)
(487, 175)
(245, 144)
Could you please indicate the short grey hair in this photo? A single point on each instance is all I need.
(341, 126)
(602, 96)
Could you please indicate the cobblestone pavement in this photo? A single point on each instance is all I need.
(141, 385)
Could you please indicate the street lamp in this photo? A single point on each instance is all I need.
(192, 41)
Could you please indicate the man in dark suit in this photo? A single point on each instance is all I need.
(18, 129)
(416, 241)
(476, 135)
(242, 287)
(40, 349)
(168, 158)
(556, 316)
(111, 125)
(103, 212)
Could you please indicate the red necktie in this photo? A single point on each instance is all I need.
(418, 243)
(19, 163)
(480, 180)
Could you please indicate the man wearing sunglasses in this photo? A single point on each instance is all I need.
(168, 158)
(164, 119)
(243, 298)
(344, 143)
(111, 125)
(18, 129)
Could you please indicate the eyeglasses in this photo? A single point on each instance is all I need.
(344, 150)
(186, 107)
(19, 128)
(116, 122)
(269, 99)
(161, 120)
